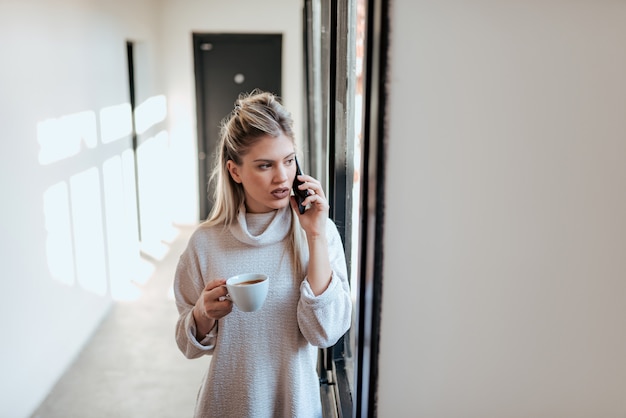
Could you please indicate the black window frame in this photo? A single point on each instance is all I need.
(349, 370)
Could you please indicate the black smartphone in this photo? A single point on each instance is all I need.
(299, 194)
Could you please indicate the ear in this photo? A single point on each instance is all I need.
(233, 169)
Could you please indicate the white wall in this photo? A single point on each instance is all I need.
(63, 62)
(505, 242)
(69, 248)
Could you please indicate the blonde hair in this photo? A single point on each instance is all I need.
(256, 115)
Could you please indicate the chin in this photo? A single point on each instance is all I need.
(281, 204)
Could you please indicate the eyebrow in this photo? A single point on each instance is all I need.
(264, 160)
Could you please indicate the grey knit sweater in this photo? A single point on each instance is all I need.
(264, 362)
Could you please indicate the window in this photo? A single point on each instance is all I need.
(344, 107)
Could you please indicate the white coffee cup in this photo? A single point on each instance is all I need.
(248, 291)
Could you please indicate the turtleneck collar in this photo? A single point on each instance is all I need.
(249, 227)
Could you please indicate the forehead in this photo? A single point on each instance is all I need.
(271, 148)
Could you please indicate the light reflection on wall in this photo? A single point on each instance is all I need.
(59, 249)
(86, 209)
(152, 161)
(61, 138)
(115, 122)
(149, 113)
(91, 217)
(121, 225)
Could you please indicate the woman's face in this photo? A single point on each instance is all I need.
(266, 173)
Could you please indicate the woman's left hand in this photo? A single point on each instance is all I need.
(314, 218)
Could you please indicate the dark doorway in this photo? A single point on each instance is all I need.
(227, 65)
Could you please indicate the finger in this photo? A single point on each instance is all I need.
(314, 187)
(317, 201)
(220, 310)
(220, 293)
(310, 189)
(212, 284)
(320, 192)
(308, 180)
(308, 202)
(217, 294)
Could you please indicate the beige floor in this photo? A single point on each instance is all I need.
(132, 368)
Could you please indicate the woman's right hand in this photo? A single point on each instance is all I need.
(211, 306)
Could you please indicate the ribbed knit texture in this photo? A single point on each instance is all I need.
(264, 362)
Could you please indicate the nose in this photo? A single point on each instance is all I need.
(281, 174)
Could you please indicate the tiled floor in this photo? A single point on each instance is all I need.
(132, 367)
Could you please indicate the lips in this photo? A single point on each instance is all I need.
(281, 193)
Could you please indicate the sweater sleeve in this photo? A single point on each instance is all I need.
(188, 285)
(323, 319)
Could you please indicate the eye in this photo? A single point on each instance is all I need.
(264, 166)
(290, 161)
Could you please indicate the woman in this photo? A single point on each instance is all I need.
(263, 363)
